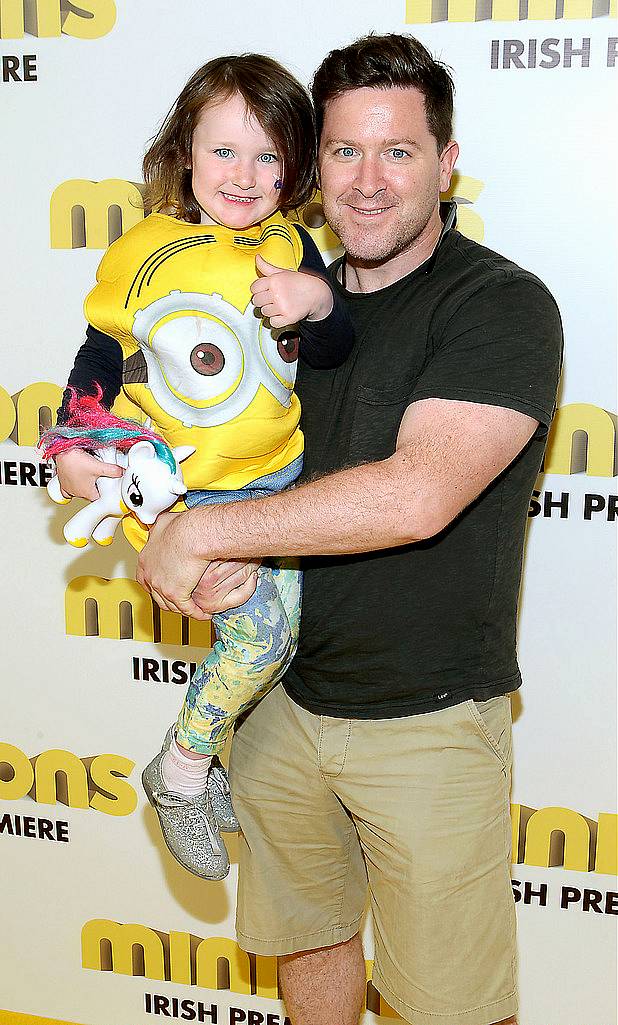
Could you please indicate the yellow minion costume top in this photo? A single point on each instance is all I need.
(196, 357)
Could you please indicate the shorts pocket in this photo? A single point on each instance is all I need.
(493, 721)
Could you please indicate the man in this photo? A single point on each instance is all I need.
(385, 756)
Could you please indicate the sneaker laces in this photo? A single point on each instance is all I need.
(168, 800)
(219, 778)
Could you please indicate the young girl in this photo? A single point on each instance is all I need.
(183, 323)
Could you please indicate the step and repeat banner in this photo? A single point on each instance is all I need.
(100, 925)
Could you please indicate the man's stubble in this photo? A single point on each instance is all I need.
(370, 247)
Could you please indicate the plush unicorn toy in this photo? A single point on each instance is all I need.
(152, 479)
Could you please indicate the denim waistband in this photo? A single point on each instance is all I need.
(270, 484)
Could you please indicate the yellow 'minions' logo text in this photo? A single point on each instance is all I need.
(545, 837)
(88, 19)
(120, 608)
(423, 12)
(99, 783)
(213, 963)
(465, 191)
(582, 440)
(24, 415)
(93, 214)
(552, 837)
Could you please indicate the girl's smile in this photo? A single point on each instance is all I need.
(234, 166)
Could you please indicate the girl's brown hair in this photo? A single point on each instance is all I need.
(274, 97)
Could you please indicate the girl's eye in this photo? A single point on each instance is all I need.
(268, 158)
(224, 152)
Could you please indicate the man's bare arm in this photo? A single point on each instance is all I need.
(447, 454)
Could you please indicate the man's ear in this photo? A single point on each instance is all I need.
(447, 163)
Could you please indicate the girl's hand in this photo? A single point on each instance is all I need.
(287, 296)
(78, 471)
(226, 585)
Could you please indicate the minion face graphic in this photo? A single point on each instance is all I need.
(206, 360)
(197, 359)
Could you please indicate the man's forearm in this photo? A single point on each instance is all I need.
(356, 510)
(448, 453)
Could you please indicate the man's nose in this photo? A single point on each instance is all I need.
(369, 177)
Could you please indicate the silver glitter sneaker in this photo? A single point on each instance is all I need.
(220, 798)
(218, 788)
(188, 824)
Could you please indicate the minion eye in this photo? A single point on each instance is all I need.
(207, 359)
(280, 351)
(288, 346)
(199, 357)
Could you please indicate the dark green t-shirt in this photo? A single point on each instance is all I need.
(416, 628)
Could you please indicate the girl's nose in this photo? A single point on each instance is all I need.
(244, 175)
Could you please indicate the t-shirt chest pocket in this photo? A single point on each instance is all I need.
(375, 424)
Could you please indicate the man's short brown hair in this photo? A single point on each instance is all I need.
(390, 61)
(275, 98)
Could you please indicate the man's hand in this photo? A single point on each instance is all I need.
(180, 582)
(167, 567)
(226, 585)
(78, 471)
(287, 296)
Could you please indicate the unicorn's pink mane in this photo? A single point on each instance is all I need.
(91, 427)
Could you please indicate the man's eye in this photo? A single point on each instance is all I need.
(224, 152)
(399, 153)
(346, 151)
(268, 158)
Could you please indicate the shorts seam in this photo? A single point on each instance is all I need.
(347, 866)
(377, 976)
(300, 935)
(333, 775)
(509, 898)
(319, 749)
(478, 721)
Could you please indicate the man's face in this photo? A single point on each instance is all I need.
(380, 171)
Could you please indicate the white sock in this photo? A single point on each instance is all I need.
(184, 775)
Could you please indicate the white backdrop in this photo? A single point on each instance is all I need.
(536, 183)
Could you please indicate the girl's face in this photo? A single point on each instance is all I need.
(234, 166)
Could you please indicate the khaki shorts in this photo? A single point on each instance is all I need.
(416, 809)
